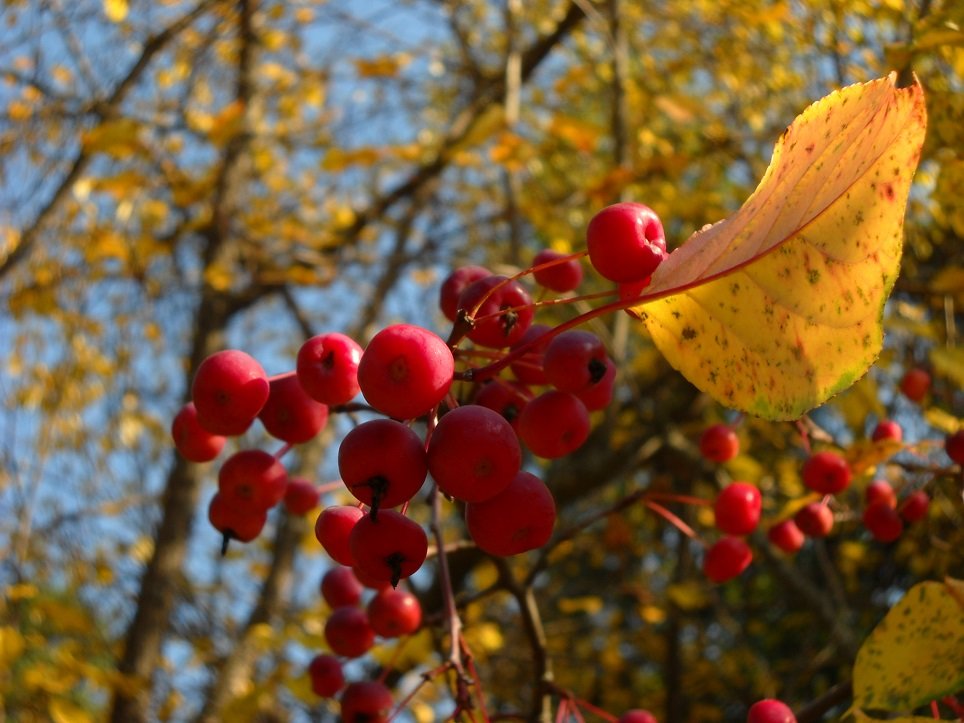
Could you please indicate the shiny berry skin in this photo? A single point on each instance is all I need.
(561, 277)
(915, 384)
(737, 509)
(366, 702)
(499, 329)
(599, 395)
(626, 242)
(228, 391)
(633, 289)
(389, 477)
(474, 453)
(726, 559)
(327, 368)
(393, 613)
(719, 443)
(506, 398)
(290, 414)
(887, 429)
(405, 371)
(954, 446)
(388, 548)
(770, 710)
(333, 528)
(301, 496)
(554, 424)
(827, 473)
(236, 520)
(453, 286)
(814, 520)
(574, 361)
(518, 519)
(880, 491)
(194, 442)
(253, 476)
(528, 369)
(637, 715)
(786, 536)
(882, 521)
(348, 632)
(327, 677)
(914, 507)
(368, 581)
(341, 588)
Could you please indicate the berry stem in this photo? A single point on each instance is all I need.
(673, 520)
(283, 451)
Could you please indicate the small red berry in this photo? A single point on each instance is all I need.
(786, 536)
(719, 443)
(827, 473)
(366, 702)
(327, 368)
(882, 521)
(770, 710)
(507, 308)
(880, 491)
(341, 588)
(392, 476)
(393, 613)
(301, 496)
(506, 398)
(193, 441)
(554, 424)
(235, 519)
(254, 476)
(388, 548)
(518, 519)
(737, 508)
(562, 276)
(229, 389)
(348, 632)
(574, 361)
(915, 384)
(327, 677)
(626, 242)
(333, 528)
(453, 286)
(290, 414)
(954, 446)
(814, 520)
(914, 507)
(887, 429)
(528, 368)
(727, 558)
(637, 715)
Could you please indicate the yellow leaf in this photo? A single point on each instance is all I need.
(778, 307)
(115, 10)
(949, 363)
(589, 604)
(384, 66)
(118, 138)
(688, 596)
(62, 711)
(11, 645)
(916, 653)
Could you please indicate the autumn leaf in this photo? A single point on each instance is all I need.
(916, 653)
(778, 307)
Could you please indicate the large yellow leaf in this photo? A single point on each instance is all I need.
(916, 653)
(779, 306)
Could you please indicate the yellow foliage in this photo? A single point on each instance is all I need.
(118, 138)
(115, 10)
(12, 645)
(383, 66)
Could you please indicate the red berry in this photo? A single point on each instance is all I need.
(563, 276)
(528, 369)
(786, 536)
(341, 588)
(727, 558)
(827, 473)
(770, 711)
(405, 371)
(915, 384)
(880, 491)
(506, 398)
(229, 389)
(389, 477)
(194, 442)
(554, 424)
(599, 395)
(290, 414)
(814, 520)
(368, 581)
(914, 507)
(474, 453)
(633, 289)
(954, 446)
(301, 496)
(327, 368)
(719, 443)
(737, 509)
(518, 519)
(393, 613)
(236, 520)
(453, 286)
(626, 242)
(574, 361)
(366, 702)
(637, 715)
(882, 521)
(348, 632)
(887, 429)
(333, 528)
(253, 476)
(508, 308)
(327, 677)
(388, 548)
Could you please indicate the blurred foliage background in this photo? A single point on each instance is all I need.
(178, 177)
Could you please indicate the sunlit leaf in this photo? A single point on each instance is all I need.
(778, 307)
(916, 653)
(115, 10)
